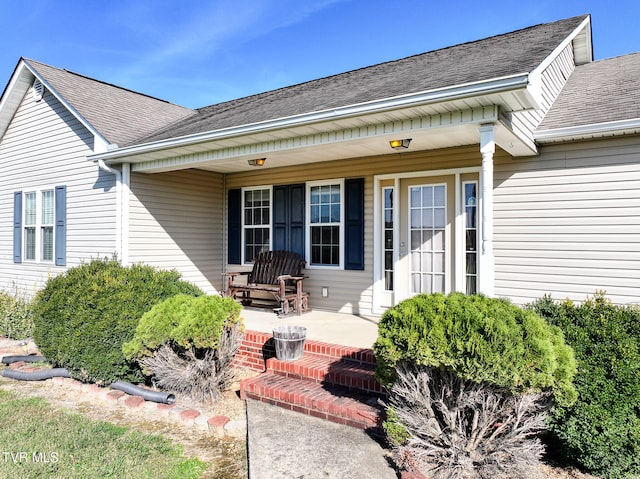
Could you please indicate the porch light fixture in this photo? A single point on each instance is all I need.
(400, 144)
(257, 162)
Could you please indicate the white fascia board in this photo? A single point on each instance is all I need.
(571, 132)
(553, 55)
(99, 140)
(12, 95)
(504, 84)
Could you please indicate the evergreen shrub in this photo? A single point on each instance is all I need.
(188, 343)
(85, 315)
(601, 431)
(477, 338)
(186, 321)
(16, 317)
(470, 382)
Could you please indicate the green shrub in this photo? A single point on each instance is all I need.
(16, 317)
(85, 315)
(479, 339)
(186, 321)
(188, 343)
(601, 431)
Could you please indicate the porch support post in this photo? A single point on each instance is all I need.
(487, 266)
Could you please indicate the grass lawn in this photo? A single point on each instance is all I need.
(40, 441)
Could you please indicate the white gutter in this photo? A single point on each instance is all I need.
(119, 250)
(508, 83)
(571, 132)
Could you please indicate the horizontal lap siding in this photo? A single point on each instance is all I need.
(43, 147)
(351, 291)
(567, 223)
(176, 222)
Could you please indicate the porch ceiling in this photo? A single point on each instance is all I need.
(431, 126)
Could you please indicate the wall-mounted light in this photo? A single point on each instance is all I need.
(257, 162)
(400, 144)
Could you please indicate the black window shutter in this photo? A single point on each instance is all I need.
(288, 218)
(17, 227)
(234, 218)
(280, 211)
(354, 224)
(61, 225)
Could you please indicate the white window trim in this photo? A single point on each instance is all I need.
(269, 226)
(464, 229)
(38, 227)
(308, 224)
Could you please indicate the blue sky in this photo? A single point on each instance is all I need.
(196, 53)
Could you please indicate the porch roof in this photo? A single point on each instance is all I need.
(447, 92)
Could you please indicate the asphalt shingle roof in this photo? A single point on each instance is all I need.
(499, 56)
(598, 92)
(120, 115)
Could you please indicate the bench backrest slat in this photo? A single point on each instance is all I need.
(268, 265)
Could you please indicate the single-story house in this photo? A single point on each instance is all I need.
(508, 166)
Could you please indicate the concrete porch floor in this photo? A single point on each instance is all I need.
(335, 328)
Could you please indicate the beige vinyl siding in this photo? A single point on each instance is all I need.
(553, 78)
(176, 222)
(567, 222)
(45, 146)
(351, 291)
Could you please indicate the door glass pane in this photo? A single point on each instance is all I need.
(428, 220)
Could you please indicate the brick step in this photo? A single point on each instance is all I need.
(329, 402)
(322, 369)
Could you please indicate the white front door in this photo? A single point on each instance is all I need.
(427, 237)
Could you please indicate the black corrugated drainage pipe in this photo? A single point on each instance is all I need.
(36, 375)
(146, 394)
(31, 358)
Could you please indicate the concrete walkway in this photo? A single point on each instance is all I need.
(284, 444)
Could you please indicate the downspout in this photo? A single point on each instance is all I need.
(104, 167)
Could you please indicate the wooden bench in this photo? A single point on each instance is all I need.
(274, 273)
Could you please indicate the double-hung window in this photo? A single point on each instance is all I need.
(325, 223)
(39, 209)
(256, 221)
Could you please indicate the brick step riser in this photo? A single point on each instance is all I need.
(349, 376)
(265, 342)
(361, 418)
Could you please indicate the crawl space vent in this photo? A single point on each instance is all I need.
(38, 90)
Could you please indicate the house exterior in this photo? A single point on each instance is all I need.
(520, 177)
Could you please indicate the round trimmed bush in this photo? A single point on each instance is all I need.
(188, 344)
(601, 431)
(85, 315)
(477, 338)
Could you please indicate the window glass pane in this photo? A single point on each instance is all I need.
(416, 239)
(427, 196)
(438, 283)
(438, 196)
(47, 207)
(416, 219)
(30, 209)
(47, 243)
(416, 197)
(30, 243)
(388, 239)
(325, 246)
(439, 220)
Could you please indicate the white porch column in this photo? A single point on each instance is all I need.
(487, 267)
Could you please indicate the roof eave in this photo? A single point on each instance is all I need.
(570, 133)
(457, 92)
